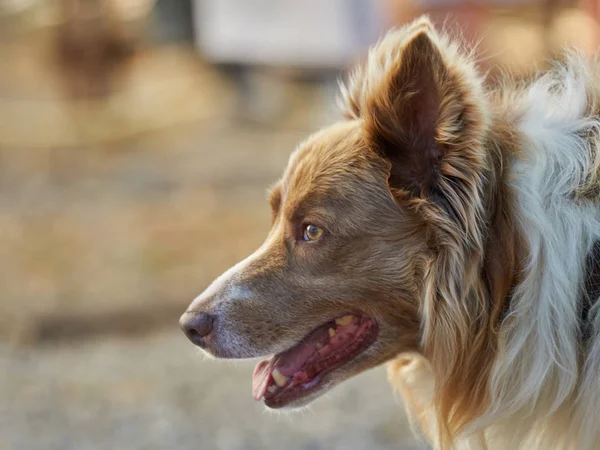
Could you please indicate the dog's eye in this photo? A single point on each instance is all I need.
(312, 233)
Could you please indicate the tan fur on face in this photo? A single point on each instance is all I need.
(371, 259)
(334, 181)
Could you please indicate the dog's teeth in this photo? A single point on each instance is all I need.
(343, 321)
(331, 332)
(272, 389)
(279, 378)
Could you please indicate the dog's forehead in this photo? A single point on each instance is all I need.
(331, 155)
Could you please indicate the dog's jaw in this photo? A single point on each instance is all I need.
(302, 371)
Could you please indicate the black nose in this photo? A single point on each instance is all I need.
(196, 326)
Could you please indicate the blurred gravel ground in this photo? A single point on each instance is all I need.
(159, 393)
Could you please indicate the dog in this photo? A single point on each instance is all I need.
(446, 228)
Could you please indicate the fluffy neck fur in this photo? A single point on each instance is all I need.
(508, 184)
(528, 380)
(540, 374)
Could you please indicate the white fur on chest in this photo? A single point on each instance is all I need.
(539, 374)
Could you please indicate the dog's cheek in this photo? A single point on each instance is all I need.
(400, 323)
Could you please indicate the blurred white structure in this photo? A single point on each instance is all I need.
(307, 33)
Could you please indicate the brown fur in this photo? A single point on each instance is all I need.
(448, 166)
(410, 190)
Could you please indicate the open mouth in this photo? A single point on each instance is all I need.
(300, 371)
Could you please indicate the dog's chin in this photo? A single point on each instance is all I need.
(331, 353)
(306, 397)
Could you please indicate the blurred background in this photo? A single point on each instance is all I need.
(137, 140)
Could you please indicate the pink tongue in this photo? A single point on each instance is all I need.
(260, 378)
(288, 363)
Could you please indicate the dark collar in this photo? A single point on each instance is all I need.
(591, 291)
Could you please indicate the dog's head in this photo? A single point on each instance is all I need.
(375, 232)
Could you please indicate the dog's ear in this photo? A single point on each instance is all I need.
(402, 118)
(423, 109)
